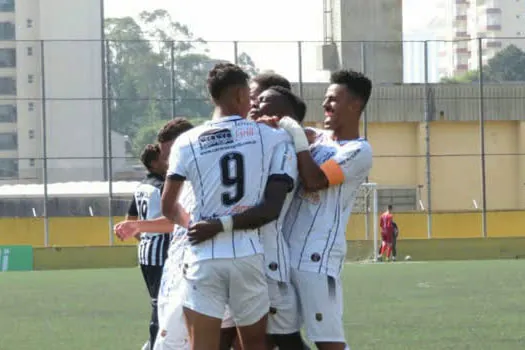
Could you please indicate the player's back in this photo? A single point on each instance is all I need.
(147, 198)
(385, 222)
(227, 162)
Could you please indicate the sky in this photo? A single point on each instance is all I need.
(256, 24)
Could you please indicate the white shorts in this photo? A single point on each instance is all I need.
(227, 320)
(284, 317)
(173, 334)
(321, 303)
(210, 285)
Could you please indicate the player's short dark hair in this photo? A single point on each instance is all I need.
(298, 105)
(269, 79)
(149, 154)
(223, 76)
(173, 129)
(356, 83)
(389, 207)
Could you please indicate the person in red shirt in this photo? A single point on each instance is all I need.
(387, 233)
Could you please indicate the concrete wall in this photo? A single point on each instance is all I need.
(384, 57)
(406, 103)
(93, 231)
(419, 250)
(455, 162)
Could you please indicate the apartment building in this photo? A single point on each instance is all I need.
(499, 22)
(51, 61)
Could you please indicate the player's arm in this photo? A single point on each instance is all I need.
(279, 184)
(131, 216)
(161, 224)
(263, 213)
(345, 163)
(176, 175)
(283, 171)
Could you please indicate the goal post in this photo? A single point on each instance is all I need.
(363, 227)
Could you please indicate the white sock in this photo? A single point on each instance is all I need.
(347, 347)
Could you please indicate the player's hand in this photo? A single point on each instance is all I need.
(269, 120)
(203, 230)
(296, 131)
(126, 229)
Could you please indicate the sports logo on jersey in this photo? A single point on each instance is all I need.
(350, 157)
(214, 138)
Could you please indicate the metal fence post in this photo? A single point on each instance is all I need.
(172, 80)
(428, 119)
(365, 134)
(44, 142)
(300, 63)
(236, 52)
(103, 90)
(110, 146)
(482, 140)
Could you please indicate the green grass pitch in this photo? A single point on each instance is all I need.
(397, 306)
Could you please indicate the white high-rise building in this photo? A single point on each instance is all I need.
(51, 50)
(499, 22)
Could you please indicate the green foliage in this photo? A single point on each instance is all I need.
(507, 65)
(148, 133)
(157, 69)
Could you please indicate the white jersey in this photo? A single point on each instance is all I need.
(228, 162)
(276, 250)
(316, 222)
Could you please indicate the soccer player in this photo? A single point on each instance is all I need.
(394, 241)
(153, 246)
(234, 166)
(165, 138)
(284, 321)
(331, 171)
(263, 82)
(387, 233)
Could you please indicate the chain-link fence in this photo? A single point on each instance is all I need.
(445, 121)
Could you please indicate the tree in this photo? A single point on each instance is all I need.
(148, 134)
(506, 65)
(142, 55)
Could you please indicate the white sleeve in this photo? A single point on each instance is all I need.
(178, 159)
(348, 163)
(283, 165)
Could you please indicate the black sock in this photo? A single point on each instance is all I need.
(292, 341)
(154, 323)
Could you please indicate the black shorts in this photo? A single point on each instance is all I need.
(152, 276)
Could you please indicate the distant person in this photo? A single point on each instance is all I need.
(394, 241)
(153, 246)
(387, 234)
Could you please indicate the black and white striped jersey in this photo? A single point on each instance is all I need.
(146, 205)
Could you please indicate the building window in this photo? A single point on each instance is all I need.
(7, 114)
(31, 106)
(31, 134)
(7, 31)
(8, 168)
(8, 141)
(30, 51)
(32, 162)
(7, 86)
(30, 78)
(7, 58)
(7, 5)
(29, 23)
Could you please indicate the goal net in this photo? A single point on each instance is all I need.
(363, 228)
